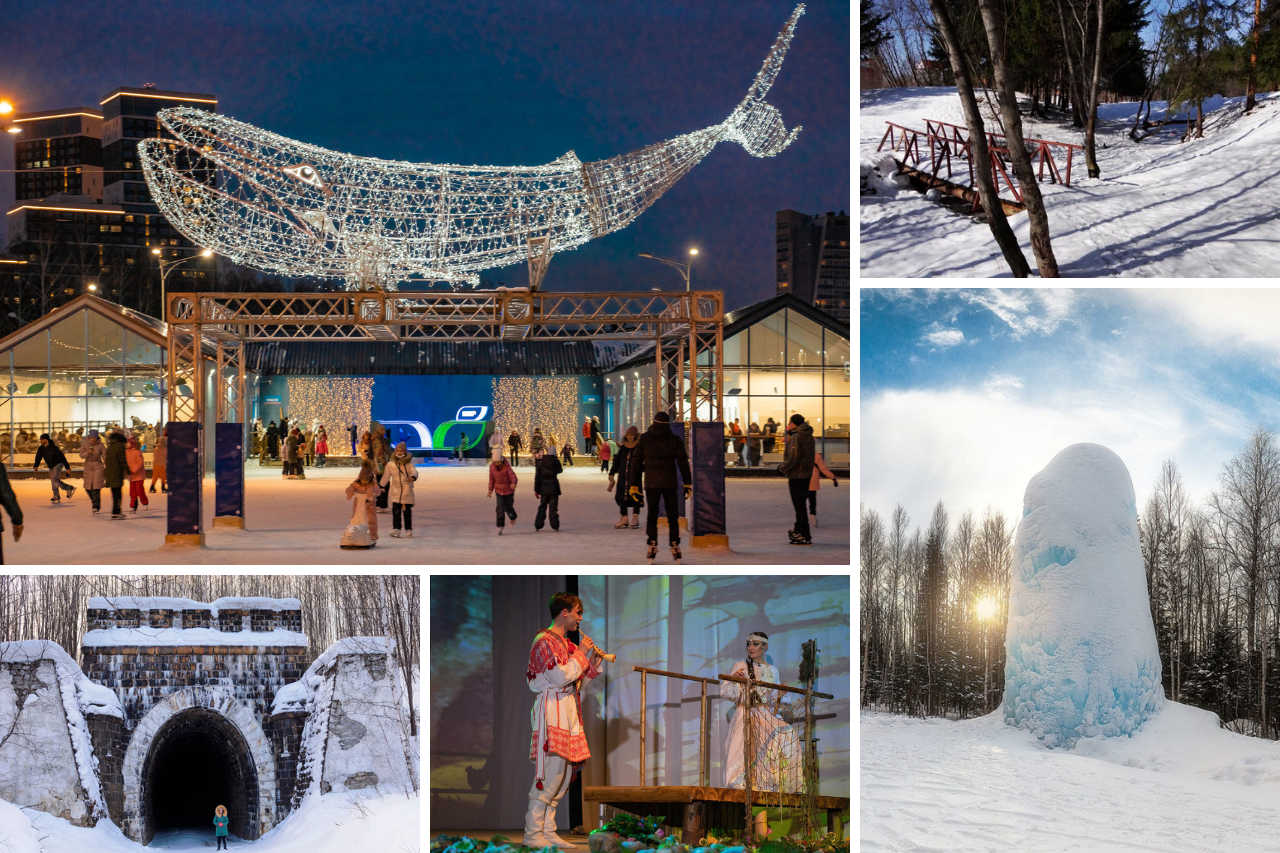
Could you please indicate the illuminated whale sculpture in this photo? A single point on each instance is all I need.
(287, 207)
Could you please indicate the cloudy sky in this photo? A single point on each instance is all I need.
(965, 394)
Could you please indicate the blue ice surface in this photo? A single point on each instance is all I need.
(1054, 554)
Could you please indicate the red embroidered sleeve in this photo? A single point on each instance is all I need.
(544, 655)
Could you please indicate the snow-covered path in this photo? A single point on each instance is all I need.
(1207, 207)
(1180, 783)
(299, 522)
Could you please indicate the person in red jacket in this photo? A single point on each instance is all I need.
(137, 474)
(503, 480)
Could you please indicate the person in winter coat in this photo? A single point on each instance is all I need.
(137, 473)
(159, 459)
(220, 821)
(503, 480)
(566, 454)
(322, 447)
(273, 440)
(149, 437)
(116, 469)
(606, 453)
(736, 431)
(586, 435)
(653, 466)
(353, 433)
(546, 487)
(380, 452)
(94, 454)
(309, 447)
(618, 474)
(820, 470)
(595, 433)
(460, 451)
(398, 479)
(770, 435)
(291, 466)
(56, 461)
(366, 483)
(797, 467)
(10, 503)
(514, 444)
(537, 444)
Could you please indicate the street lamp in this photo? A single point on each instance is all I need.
(684, 268)
(6, 110)
(165, 266)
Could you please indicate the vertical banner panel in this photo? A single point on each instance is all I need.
(185, 468)
(228, 501)
(706, 460)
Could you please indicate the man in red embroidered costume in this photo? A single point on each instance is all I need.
(557, 670)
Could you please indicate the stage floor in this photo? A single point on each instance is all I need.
(485, 835)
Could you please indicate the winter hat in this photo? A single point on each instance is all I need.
(93, 433)
(797, 419)
(402, 447)
(662, 418)
(45, 436)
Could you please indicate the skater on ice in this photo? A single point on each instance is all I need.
(117, 469)
(137, 474)
(56, 461)
(10, 503)
(820, 470)
(159, 458)
(503, 480)
(398, 479)
(653, 465)
(618, 477)
(95, 472)
(364, 490)
(566, 454)
(546, 487)
(797, 467)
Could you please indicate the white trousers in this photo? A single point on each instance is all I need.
(559, 772)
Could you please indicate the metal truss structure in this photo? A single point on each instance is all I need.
(686, 328)
(287, 207)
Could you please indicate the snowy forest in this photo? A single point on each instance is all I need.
(52, 607)
(1043, 69)
(934, 601)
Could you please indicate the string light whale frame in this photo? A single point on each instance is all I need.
(287, 207)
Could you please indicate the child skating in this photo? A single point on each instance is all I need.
(546, 487)
(503, 480)
(367, 485)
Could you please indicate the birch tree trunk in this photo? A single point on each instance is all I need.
(978, 151)
(1037, 216)
(1090, 138)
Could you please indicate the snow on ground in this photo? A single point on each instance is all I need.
(1206, 207)
(335, 823)
(1180, 783)
(299, 522)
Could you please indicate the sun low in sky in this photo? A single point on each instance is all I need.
(965, 394)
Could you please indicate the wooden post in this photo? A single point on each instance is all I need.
(702, 739)
(642, 724)
(695, 820)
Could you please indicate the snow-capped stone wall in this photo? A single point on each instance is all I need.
(46, 755)
(1081, 658)
(353, 737)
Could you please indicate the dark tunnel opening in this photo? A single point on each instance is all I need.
(198, 761)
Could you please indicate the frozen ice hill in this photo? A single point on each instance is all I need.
(1206, 207)
(1081, 657)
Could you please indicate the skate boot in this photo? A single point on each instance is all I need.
(71, 493)
(653, 552)
(675, 552)
(622, 524)
(813, 521)
(801, 540)
(408, 534)
(395, 534)
(635, 521)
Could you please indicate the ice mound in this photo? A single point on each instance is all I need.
(1081, 657)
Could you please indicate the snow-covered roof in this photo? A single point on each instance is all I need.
(296, 697)
(189, 637)
(90, 698)
(131, 602)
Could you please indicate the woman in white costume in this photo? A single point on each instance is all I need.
(776, 744)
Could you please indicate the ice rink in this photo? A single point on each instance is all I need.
(299, 522)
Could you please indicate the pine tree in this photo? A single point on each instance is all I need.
(871, 35)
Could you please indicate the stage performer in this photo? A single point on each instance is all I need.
(776, 744)
(557, 670)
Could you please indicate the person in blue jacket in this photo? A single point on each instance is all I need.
(220, 820)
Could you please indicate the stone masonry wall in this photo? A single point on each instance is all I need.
(109, 741)
(285, 732)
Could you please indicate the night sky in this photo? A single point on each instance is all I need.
(490, 84)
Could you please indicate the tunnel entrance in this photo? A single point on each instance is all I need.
(198, 761)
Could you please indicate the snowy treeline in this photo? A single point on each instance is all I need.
(1213, 577)
(52, 607)
(934, 609)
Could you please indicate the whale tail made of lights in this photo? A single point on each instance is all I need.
(283, 206)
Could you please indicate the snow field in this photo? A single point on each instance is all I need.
(299, 522)
(1161, 208)
(333, 823)
(1180, 783)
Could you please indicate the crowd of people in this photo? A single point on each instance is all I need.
(643, 468)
